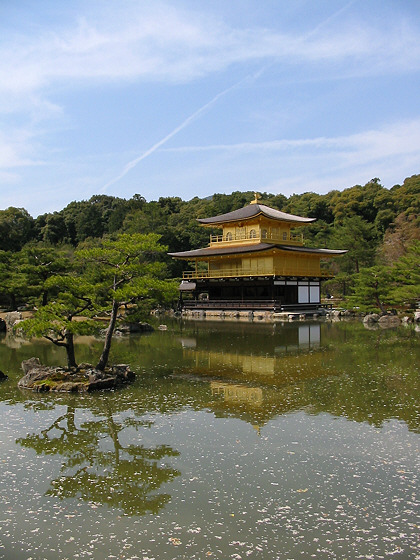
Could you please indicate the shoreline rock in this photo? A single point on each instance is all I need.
(84, 379)
(371, 318)
(387, 321)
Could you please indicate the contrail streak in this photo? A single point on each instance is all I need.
(185, 123)
(329, 19)
(131, 164)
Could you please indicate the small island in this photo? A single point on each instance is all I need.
(85, 378)
(100, 281)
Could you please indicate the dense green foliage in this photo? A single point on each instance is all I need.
(102, 277)
(378, 226)
(124, 272)
(73, 297)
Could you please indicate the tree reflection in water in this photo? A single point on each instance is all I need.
(99, 469)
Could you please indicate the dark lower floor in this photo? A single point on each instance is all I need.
(271, 293)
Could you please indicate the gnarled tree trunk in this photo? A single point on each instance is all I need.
(103, 360)
(69, 345)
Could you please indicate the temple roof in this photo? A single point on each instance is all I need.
(258, 247)
(251, 211)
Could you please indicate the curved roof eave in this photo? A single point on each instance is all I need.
(216, 251)
(252, 211)
(257, 248)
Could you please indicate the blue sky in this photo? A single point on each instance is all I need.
(188, 98)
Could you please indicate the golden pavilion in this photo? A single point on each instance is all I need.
(257, 262)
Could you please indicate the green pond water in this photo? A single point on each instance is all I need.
(236, 441)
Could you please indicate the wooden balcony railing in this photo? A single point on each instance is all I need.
(244, 272)
(257, 237)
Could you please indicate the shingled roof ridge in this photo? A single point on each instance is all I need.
(252, 210)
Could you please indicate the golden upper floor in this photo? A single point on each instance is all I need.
(256, 232)
(256, 223)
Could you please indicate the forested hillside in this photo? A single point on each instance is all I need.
(380, 228)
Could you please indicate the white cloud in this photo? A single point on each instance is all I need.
(16, 150)
(322, 163)
(393, 139)
(159, 42)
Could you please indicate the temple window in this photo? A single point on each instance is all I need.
(252, 234)
(264, 234)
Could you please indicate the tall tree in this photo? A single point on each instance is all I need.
(360, 239)
(55, 321)
(406, 277)
(12, 281)
(124, 271)
(407, 195)
(36, 263)
(371, 290)
(16, 228)
(54, 230)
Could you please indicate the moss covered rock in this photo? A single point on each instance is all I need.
(83, 379)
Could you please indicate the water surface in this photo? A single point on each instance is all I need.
(237, 440)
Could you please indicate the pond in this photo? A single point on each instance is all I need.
(237, 440)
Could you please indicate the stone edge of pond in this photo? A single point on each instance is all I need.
(84, 379)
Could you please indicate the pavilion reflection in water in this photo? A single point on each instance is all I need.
(259, 383)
